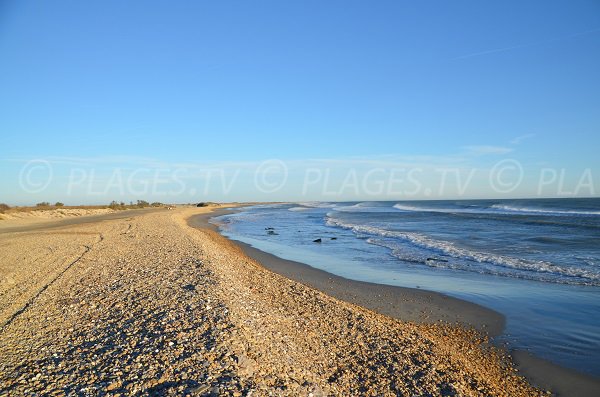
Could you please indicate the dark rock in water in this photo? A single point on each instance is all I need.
(317, 240)
(436, 259)
(269, 228)
(272, 233)
(189, 287)
(334, 238)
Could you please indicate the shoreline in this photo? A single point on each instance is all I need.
(151, 305)
(423, 307)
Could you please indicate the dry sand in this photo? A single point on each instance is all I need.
(148, 305)
(35, 223)
(34, 216)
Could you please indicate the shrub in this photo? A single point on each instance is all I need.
(43, 204)
(201, 205)
(59, 204)
(4, 207)
(157, 204)
(142, 203)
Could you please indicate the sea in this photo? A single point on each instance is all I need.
(536, 261)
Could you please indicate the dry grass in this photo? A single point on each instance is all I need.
(52, 207)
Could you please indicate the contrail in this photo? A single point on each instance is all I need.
(526, 45)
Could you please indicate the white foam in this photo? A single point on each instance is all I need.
(294, 209)
(364, 207)
(451, 250)
(404, 207)
(538, 210)
(494, 209)
(316, 204)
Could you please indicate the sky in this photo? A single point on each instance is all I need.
(298, 100)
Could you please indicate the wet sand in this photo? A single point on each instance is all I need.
(407, 304)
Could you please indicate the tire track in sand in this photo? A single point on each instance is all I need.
(30, 301)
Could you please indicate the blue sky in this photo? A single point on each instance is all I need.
(122, 85)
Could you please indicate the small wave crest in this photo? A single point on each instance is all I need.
(316, 204)
(295, 209)
(363, 207)
(496, 209)
(412, 208)
(539, 210)
(465, 259)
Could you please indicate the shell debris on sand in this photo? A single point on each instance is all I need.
(169, 310)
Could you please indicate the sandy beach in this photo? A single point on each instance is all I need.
(421, 306)
(144, 303)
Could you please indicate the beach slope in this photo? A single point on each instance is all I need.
(148, 304)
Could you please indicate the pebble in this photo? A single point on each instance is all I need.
(232, 327)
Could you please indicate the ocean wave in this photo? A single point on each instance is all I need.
(405, 207)
(317, 204)
(537, 210)
(363, 207)
(311, 205)
(496, 209)
(357, 206)
(464, 259)
(456, 210)
(239, 217)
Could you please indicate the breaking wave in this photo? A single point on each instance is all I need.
(445, 254)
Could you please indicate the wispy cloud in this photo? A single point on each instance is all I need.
(491, 51)
(483, 150)
(521, 138)
(465, 155)
(526, 45)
